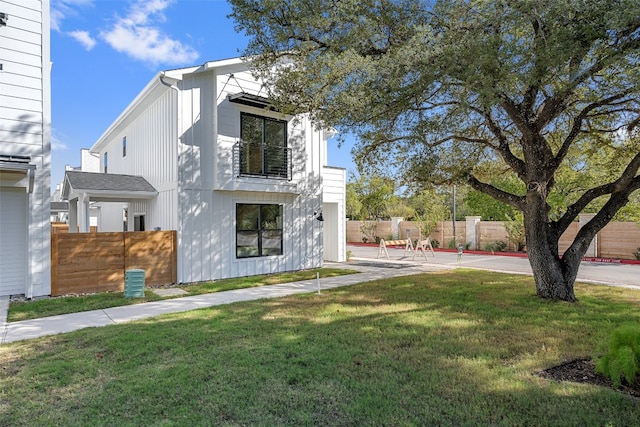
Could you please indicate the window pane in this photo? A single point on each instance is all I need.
(251, 129)
(275, 140)
(275, 133)
(272, 242)
(271, 217)
(258, 230)
(247, 217)
(247, 244)
(263, 146)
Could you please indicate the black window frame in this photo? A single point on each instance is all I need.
(264, 158)
(264, 228)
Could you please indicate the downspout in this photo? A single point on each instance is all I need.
(31, 173)
(178, 173)
(29, 250)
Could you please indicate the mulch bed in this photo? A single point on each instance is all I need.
(583, 371)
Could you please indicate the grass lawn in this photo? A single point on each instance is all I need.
(456, 348)
(25, 310)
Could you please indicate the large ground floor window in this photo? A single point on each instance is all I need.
(258, 230)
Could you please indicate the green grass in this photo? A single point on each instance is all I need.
(76, 303)
(454, 348)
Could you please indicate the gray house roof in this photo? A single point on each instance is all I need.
(59, 207)
(106, 186)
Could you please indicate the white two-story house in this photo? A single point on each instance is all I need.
(25, 147)
(200, 150)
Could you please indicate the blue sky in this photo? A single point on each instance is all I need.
(105, 51)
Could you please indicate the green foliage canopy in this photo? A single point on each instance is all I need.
(442, 91)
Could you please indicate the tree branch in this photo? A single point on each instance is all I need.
(622, 187)
(577, 126)
(503, 196)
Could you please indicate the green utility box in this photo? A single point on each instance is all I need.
(134, 284)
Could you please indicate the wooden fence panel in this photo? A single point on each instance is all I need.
(96, 262)
(153, 252)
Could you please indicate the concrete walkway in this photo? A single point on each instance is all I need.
(364, 259)
(28, 329)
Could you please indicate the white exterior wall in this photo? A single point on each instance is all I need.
(25, 123)
(195, 126)
(334, 213)
(88, 161)
(151, 131)
(211, 191)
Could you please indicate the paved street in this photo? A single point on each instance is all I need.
(610, 273)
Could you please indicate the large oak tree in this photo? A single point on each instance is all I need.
(442, 90)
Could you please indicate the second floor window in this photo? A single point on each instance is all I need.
(263, 149)
(105, 161)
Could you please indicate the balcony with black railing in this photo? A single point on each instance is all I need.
(262, 160)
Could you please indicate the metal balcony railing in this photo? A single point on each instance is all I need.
(252, 159)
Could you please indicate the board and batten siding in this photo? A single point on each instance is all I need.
(236, 79)
(208, 240)
(203, 126)
(151, 130)
(207, 236)
(334, 212)
(25, 124)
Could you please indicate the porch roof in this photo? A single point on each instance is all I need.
(106, 186)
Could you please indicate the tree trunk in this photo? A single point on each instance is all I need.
(554, 276)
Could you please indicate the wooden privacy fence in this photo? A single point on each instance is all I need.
(96, 262)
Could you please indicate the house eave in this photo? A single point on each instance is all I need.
(19, 164)
(109, 195)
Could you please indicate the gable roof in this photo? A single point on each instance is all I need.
(107, 186)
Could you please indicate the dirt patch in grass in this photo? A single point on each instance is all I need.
(583, 371)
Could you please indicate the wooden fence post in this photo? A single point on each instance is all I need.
(126, 245)
(174, 258)
(54, 264)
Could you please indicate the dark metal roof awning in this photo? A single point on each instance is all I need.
(251, 100)
(19, 164)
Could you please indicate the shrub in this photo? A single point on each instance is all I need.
(498, 246)
(368, 230)
(622, 359)
(637, 254)
(515, 231)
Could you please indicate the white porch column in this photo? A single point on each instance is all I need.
(73, 216)
(593, 246)
(131, 222)
(471, 229)
(83, 213)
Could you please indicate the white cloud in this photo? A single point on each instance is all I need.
(56, 143)
(84, 38)
(139, 36)
(61, 9)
